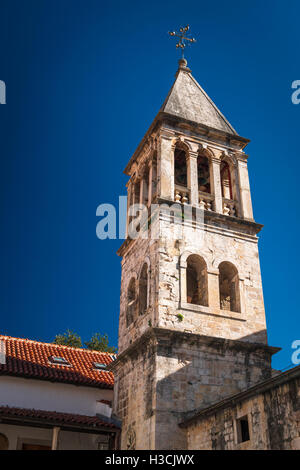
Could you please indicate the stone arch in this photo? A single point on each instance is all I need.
(185, 144)
(229, 287)
(184, 256)
(208, 151)
(196, 281)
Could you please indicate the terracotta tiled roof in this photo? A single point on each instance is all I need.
(68, 419)
(27, 358)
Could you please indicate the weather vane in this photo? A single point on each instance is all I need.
(182, 35)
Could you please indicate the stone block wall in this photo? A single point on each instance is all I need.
(139, 252)
(273, 417)
(135, 394)
(216, 242)
(194, 371)
(166, 375)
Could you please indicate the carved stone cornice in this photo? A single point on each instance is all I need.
(157, 337)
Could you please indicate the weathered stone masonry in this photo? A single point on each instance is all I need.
(273, 411)
(192, 325)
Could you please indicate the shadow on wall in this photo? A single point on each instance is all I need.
(195, 371)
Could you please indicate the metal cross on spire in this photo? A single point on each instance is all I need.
(182, 35)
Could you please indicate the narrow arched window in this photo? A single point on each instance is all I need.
(180, 167)
(131, 302)
(203, 174)
(137, 187)
(226, 181)
(143, 290)
(229, 287)
(145, 187)
(196, 278)
(154, 177)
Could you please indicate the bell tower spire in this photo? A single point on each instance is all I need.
(192, 324)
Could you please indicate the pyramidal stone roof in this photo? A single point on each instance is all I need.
(188, 100)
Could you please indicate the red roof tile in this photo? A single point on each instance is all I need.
(54, 417)
(27, 358)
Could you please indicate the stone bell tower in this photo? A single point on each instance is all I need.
(192, 324)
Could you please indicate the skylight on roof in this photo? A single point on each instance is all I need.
(100, 365)
(60, 361)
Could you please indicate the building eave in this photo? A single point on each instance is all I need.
(46, 419)
(201, 129)
(157, 333)
(99, 385)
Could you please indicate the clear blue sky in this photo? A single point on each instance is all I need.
(84, 80)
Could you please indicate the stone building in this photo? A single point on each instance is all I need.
(263, 417)
(192, 327)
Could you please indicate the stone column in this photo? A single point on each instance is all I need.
(215, 179)
(244, 185)
(166, 168)
(154, 178)
(55, 433)
(193, 178)
(213, 288)
(134, 199)
(150, 184)
(129, 202)
(182, 280)
(142, 189)
(242, 296)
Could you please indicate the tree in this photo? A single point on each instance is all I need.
(69, 338)
(99, 342)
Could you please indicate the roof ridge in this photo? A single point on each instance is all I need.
(56, 345)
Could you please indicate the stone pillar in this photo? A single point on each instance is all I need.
(166, 168)
(142, 189)
(183, 293)
(246, 204)
(55, 433)
(150, 183)
(135, 199)
(192, 175)
(129, 202)
(154, 178)
(242, 296)
(213, 288)
(215, 179)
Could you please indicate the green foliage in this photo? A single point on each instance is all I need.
(99, 342)
(180, 316)
(69, 338)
